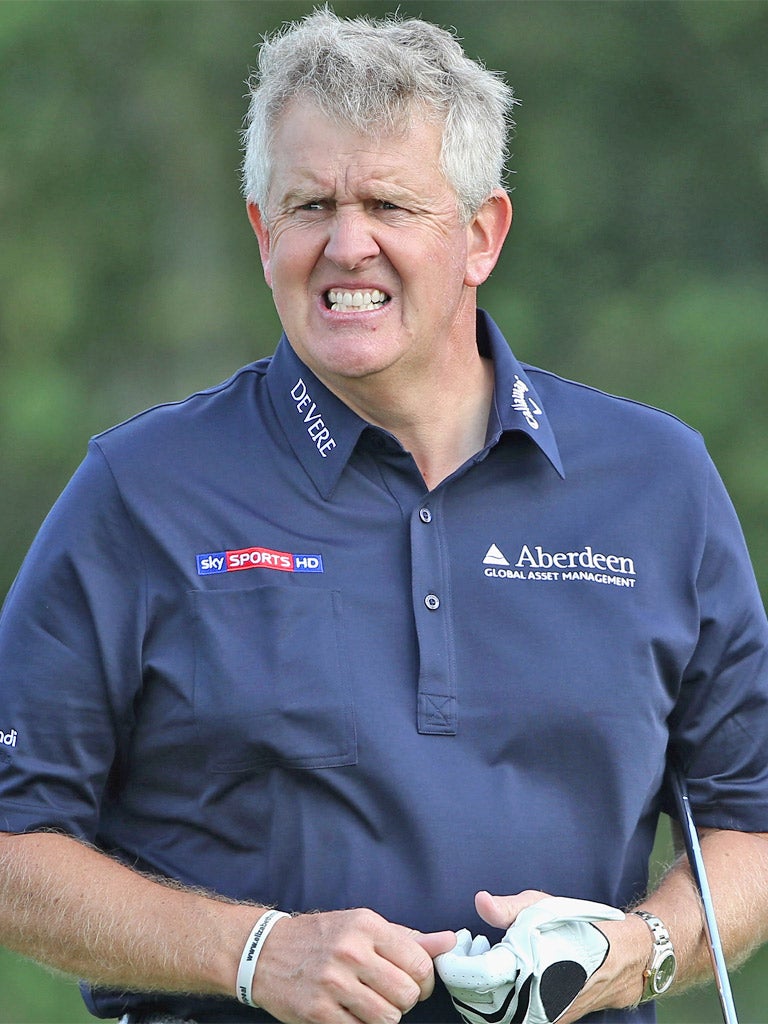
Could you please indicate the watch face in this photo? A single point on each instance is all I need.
(665, 973)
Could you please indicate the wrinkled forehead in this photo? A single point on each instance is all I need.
(312, 145)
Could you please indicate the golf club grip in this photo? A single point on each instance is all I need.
(696, 861)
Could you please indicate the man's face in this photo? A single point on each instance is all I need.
(371, 269)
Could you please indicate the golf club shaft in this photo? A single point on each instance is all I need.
(696, 860)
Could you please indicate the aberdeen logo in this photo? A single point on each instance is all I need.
(524, 404)
(497, 565)
(257, 558)
(587, 565)
(494, 557)
(538, 558)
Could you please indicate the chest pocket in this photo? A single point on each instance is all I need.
(271, 683)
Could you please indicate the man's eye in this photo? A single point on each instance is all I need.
(313, 204)
(385, 205)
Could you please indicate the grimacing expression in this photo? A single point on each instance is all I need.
(371, 268)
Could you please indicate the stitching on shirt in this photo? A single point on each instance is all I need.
(439, 709)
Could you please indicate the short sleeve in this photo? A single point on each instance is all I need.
(70, 659)
(719, 728)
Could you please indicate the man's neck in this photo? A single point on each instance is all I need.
(441, 424)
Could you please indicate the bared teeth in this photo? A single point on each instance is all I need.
(359, 301)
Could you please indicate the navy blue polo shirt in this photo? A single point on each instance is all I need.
(251, 651)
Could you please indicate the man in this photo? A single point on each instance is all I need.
(381, 626)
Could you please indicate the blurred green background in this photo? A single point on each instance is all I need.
(129, 275)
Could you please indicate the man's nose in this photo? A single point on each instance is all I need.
(351, 240)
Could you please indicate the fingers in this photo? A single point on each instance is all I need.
(501, 911)
(344, 966)
(434, 943)
(401, 971)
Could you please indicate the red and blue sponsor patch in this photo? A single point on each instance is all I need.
(257, 558)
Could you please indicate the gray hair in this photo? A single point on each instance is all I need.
(373, 76)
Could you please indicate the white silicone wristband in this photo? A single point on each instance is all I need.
(251, 952)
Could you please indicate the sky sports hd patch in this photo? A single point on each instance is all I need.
(257, 558)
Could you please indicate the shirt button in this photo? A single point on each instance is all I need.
(432, 601)
(425, 515)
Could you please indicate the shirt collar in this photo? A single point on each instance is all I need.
(323, 431)
(517, 406)
(320, 428)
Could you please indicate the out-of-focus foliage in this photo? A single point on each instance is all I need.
(129, 275)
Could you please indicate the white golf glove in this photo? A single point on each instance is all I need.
(534, 974)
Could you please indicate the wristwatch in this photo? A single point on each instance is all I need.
(661, 970)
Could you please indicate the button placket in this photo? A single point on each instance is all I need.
(437, 712)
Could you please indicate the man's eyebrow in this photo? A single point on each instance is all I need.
(302, 185)
(302, 194)
(312, 190)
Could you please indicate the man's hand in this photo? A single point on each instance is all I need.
(535, 973)
(345, 967)
(617, 983)
(501, 911)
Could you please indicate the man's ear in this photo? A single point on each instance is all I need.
(262, 234)
(485, 236)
